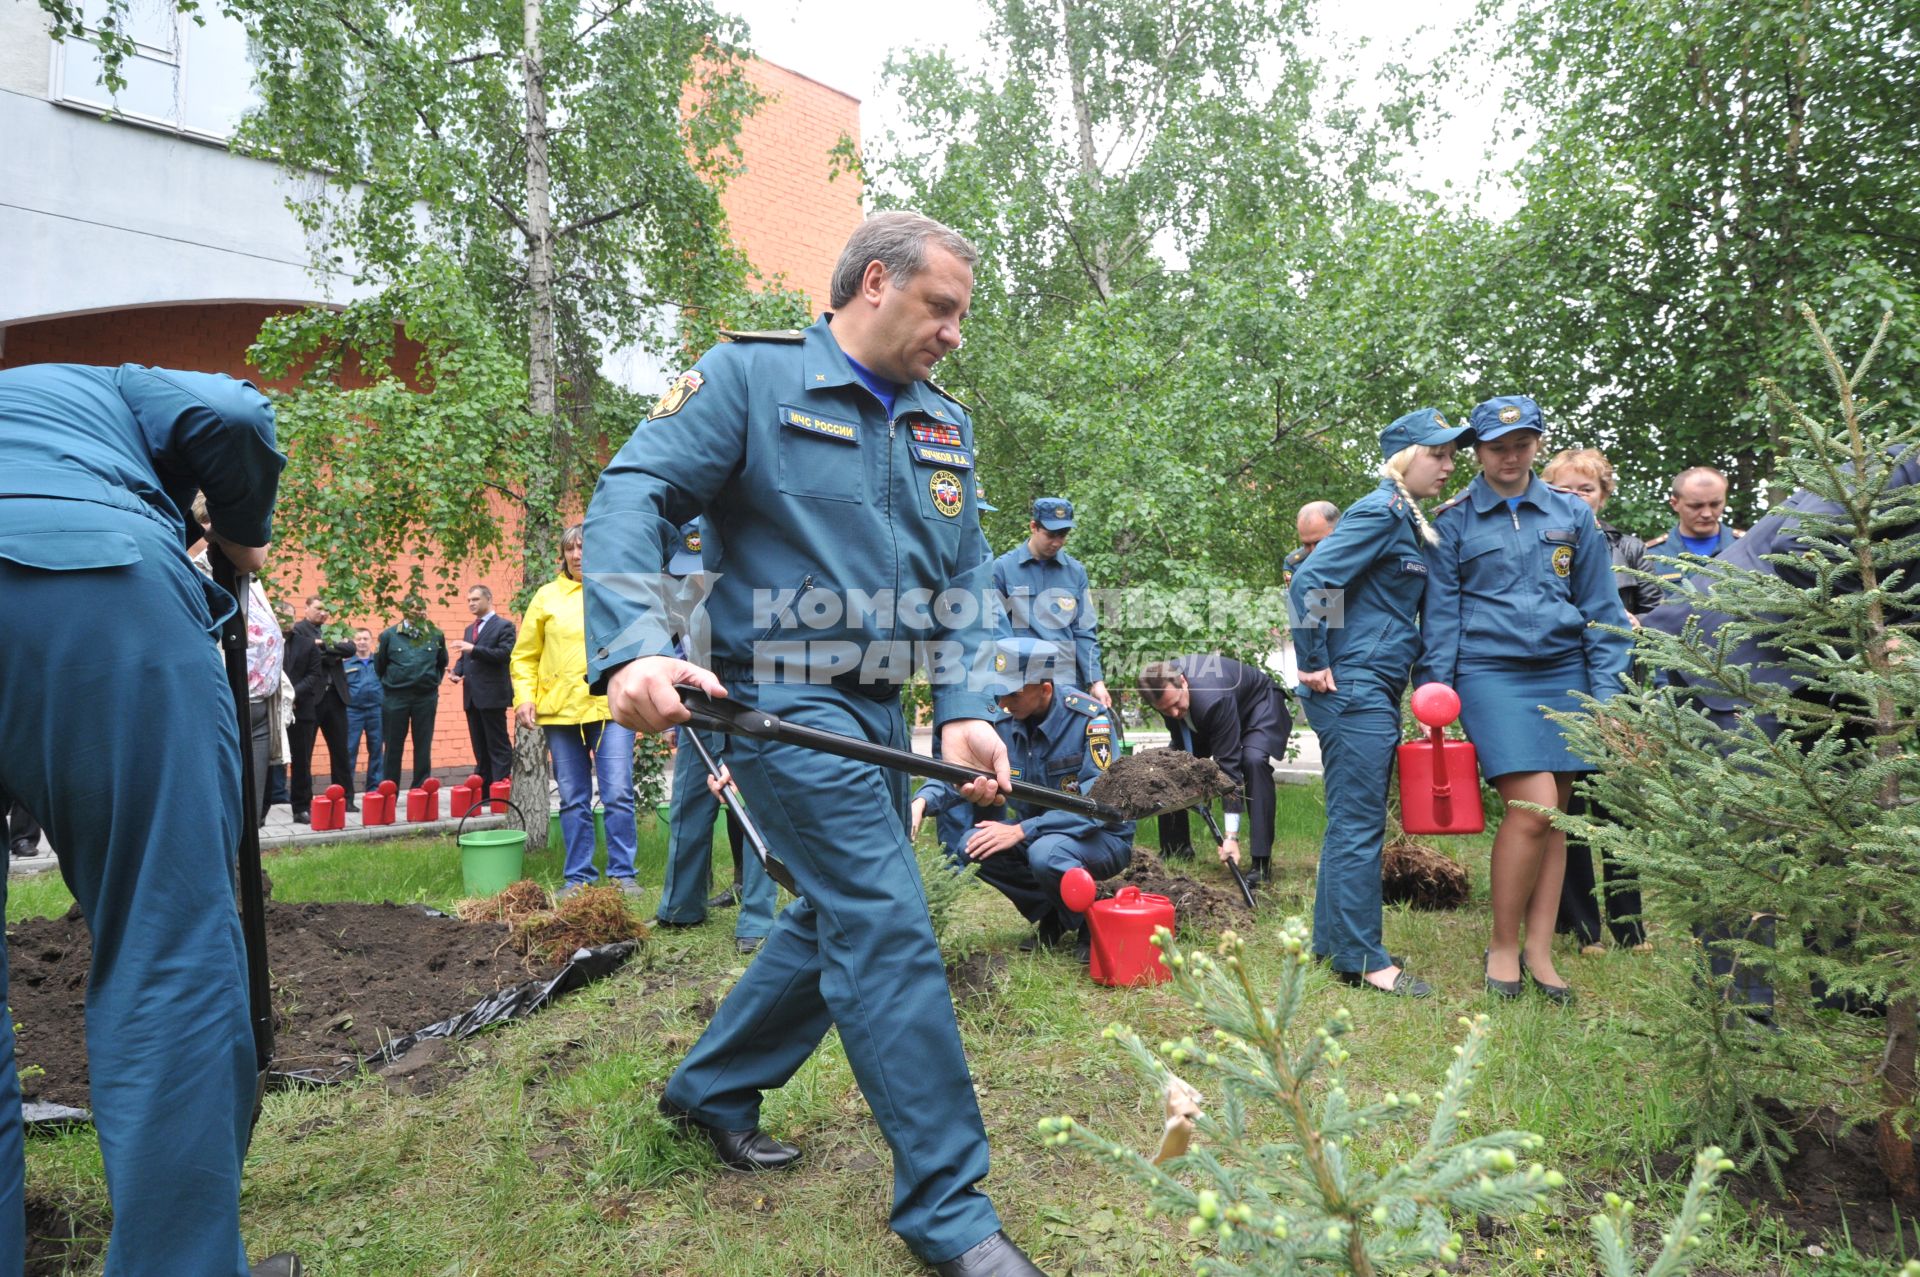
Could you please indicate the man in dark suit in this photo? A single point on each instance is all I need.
(1236, 715)
(485, 689)
(316, 668)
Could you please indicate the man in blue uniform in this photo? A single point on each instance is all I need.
(841, 530)
(683, 896)
(99, 467)
(1699, 501)
(1046, 593)
(364, 707)
(1058, 737)
(1313, 524)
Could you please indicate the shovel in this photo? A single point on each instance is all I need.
(253, 901)
(730, 794)
(740, 720)
(1213, 827)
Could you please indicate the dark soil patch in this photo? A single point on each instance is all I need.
(1414, 874)
(1834, 1187)
(1196, 906)
(975, 976)
(1157, 780)
(347, 979)
(62, 1238)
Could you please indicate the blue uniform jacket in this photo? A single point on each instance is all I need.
(1522, 584)
(1373, 559)
(1051, 601)
(363, 684)
(137, 439)
(1067, 748)
(1669, 543)
(828, 527)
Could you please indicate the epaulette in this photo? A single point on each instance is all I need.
(1659, 540)
(1447, 505)
(788, 335)
(1737, 532)
(1295, 557)
(1081, 703)
(950, 398)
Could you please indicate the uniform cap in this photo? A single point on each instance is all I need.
(1423, 427)
(1053, 513)
(1021, 660)
(1504, 415)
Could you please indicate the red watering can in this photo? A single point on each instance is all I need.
(1439, 778)
(1120, 935)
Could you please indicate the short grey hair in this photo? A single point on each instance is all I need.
(486, 592)
(1320, 509)
(898, 241)
(1694, 472)
(573, 536)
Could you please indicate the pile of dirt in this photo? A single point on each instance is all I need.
(1197, 906)
(1156, 780)
(347, 979)
(1835, 1188)
(1415, 874)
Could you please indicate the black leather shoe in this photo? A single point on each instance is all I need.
(1502, 988)
(995, 1257)
(284, 1264)
(303, 818)
(678, 926)
(1552, 992)
(747, 944)
(753, 1150)
(726, 899)
(1261, 874)
(22, 848)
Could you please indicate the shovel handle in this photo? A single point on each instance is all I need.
(731, 797)
(744, 720)
(1240, 879)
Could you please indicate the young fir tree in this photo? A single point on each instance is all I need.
(1762, 771)
(1317, 1197)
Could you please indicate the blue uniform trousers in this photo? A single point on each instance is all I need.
(856, 953)
(1358, 727)
(125, 744)
(683, 896)
(1030, 873)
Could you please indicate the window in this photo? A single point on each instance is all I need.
(185, 76)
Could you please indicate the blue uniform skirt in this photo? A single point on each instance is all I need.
(1500, 706)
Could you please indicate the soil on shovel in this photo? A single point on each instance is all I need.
(347, 979)
(1158, 780)
(1196, 905)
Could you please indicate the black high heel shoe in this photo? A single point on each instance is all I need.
(1559, 993)
(1508, 989)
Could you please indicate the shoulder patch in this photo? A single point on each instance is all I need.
(789, 335)
(1450, 503)
(683, 388)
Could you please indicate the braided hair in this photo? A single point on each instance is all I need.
(1394, 468)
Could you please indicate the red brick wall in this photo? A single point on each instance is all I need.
(784, 212)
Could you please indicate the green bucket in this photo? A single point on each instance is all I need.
(491, 860)
(663, 812)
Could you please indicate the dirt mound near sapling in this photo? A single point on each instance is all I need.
(1157, 780)
(1196, 906)
(519, 901)
(1415, 874)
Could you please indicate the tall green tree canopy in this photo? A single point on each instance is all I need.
(1702, 168)
(1186, 253)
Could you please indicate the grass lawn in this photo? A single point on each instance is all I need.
(543, 1154)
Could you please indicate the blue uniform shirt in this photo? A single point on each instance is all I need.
(828, 524)
(1521, 583)
(1673, 543)
(1049, 599)
(1373, 559)
(144, 440)
(363, 684)
(1067, 748)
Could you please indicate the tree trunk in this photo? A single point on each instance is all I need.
(531, 782)
(1898, 1085)
(1098, 267)
(531, 776)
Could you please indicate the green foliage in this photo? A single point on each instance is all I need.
(1702, 168)
(1739, 796)
(1196, 306)
(946, 885)
(1308, 1202)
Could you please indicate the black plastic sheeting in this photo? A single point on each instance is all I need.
(517, 1003)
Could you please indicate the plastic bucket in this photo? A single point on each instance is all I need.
(555, 838)
(491, 860)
